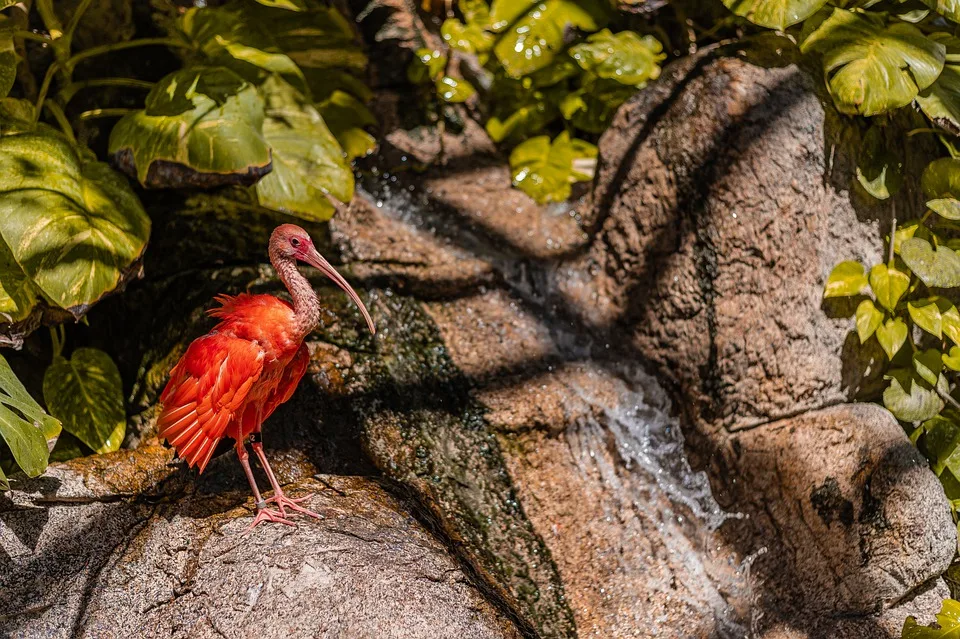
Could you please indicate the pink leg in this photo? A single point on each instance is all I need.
(263, 513)
(278, 497)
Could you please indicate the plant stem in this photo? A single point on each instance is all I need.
(56, 341)
(67, 93)
(75, 18)
(50, 19)
(44, 88)
(119, 46)
(104, 113)
(30, 35)
(61, 119)
(947, 398)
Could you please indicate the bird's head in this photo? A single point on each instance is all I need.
(291, 242)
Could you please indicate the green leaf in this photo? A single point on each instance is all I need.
(290, 5)
(879, 167)
(949, 320)
(346, 116)
(503, 13)
(775, 14)
(874, 67)
(904, 232)
(427, 66)
(868, 319)
(948, 621)
(8, 62)
(469, 38)
(940, 268)
(538, 35)
(24, 426)
(625, 57)
(545, 171)
(928, 365)
(941, 100)
(86, 394)
(308, 164)
(520, 112)
(891, 335)
(72, 224)
(845, 279)
(941, 437)
(201, 127)
(18, 295)
(952, 360)
(941, 184)
(910, 398)
(592, 107)
(947, 8)
(926, 315)
(888, 285)
(454, 91)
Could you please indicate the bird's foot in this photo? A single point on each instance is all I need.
(282, 502)
(274, 516)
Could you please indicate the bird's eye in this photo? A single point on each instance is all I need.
(295, 242)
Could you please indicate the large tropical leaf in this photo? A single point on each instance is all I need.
(308, 164)
(85, 393)
(200, 127)
(532, 40)
(346, 116)
(775, 14)
(624, 57)
(948, 8)
(874, 66)
(27, 430)
(941, 100)
(8, 59)
(71, 224)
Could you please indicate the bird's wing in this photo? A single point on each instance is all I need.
(289, 381)
(207, 387)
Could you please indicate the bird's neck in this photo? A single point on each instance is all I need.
(306, 304)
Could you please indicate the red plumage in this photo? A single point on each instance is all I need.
(233, 378)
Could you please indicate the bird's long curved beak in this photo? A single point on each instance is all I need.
(313, 258)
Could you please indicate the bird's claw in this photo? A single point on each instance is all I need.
(293, 504)
(274, 516)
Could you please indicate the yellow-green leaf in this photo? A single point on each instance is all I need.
(941, 100)
(939, 268)
(888, 285)
(891, 335)
(85, 393)
(948, 619)
(774, 14)
(873, 66)
(947, 8)
(952, 359)
(845, 279)
(868, 319)
(926, 315)
(454, 91)
(545, 171)
(879, 165)
(941, 185)
(928, 365)
(625, 57)
(911, 398)
(24, 426)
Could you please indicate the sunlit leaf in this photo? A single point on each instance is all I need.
(24, 426)
(948, 620)
(952, 359)
(846, 279)
(8, 61)
(85, 393)
(469, 38)
(904, 232)
(928, 365)
(427, 66)
(533, 40)
(72, 224)
(200, 127)
(453, 90)
(346, 118)
(941, 100)
(868, 319)
(941, 184)
(892, 334)
(625, 57)
(18, 294)
(940, 268)
(946, 8)
(592, 107)
(774, 14)
(518, 112)
(949, 319)
(926, 315)
(888, 285)
(308, 164)
(291, 5)
(503, 13)
(879, 165)
(545, 171)
(910, 398)
(872, 66)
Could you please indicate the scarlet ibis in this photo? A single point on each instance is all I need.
(232, 379)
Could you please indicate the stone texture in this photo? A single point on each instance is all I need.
(79, 562)
(852, 518)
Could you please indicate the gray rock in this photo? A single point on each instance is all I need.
(80, 563)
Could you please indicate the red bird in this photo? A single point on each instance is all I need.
(232, 379)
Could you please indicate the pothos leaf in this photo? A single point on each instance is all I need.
(24, 426)
(952, 359)
(926, 315)
(545, 171)
(941, 184)
(774, 14)
(846, 279)
(72, 224)
(888, 285)
(939, 268)
(941, 100)
(86, 394)
(928, 365)
(308, 164)
(891, 335)
(879, 165)
(868, 319)
(202, 126)
(910, 398)
(872, 66)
